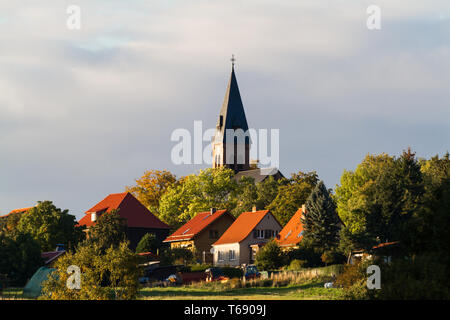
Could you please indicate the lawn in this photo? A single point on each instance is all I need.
(306, 291)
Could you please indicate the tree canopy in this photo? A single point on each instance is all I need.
(50, 226)
(150, 188)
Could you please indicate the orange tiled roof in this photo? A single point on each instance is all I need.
(136, 214)
(21, 210)
(291, 233)
(194, 226)
(242, 227)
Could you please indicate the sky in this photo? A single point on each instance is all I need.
(85, 112)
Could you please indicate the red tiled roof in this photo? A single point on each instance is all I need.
(21, 210)
(242, 227)
(194, 226)
(290, 234)
(136, 214)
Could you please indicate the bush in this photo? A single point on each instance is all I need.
(231, 272)
(297, 264)
(307, 253)
(148, 243)
(176, 256)
(270, 257)
(422, 277)
(199, 267)
(112, 274)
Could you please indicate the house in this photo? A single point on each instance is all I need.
(292, 233)
(384, 251)
(242, 240)
(199, 233)
(139, 219)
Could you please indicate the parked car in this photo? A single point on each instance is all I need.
(251, 272)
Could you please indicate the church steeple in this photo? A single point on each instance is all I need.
(231, 117)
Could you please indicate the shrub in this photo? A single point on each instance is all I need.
(422, 277)
(297, 264)
(148, 243)
(176, 256)
(231, 272)
(270, 257)
(112, 274)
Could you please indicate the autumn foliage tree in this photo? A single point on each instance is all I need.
(150, 188)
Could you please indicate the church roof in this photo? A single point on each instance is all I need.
(232, 112)
(259, 174)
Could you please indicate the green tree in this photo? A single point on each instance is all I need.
(109, 231)
(50, 226)
(150, 188)
(148, 243)
(246, 195)
(377, 201)
(209, 188)
(292, 194)
(110, 274)
(320, 221)
(20, 257)
(270, 257)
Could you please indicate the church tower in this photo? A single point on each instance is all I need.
(231, 143)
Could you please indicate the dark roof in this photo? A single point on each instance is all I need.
(196, 225)
(259, 174)
(51, 255)
(136, 214)
(232, 111)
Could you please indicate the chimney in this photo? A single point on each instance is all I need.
(213, 210)
(93, 216)
(254, 209)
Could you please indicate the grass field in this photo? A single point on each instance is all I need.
(306, 291)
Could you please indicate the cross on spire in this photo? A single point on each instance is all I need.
(232, 60)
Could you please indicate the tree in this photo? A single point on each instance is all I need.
(50, 226)
(109, 231)
(110, 274)
(210, 188)
(148, 243)
(292, 194)
(377, 200)
(246, 195)
(270, 257)
(20, 257)
(320, 221)
(150, 188)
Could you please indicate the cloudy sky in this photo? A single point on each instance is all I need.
(85, 112)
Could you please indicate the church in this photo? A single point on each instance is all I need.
(231, 143)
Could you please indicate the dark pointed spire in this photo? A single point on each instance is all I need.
(232, 114)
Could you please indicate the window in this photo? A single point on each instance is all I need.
(258, 234)
(213, 234)
(232, 255)
(288, 234)
(268, 234)
(220, 256)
